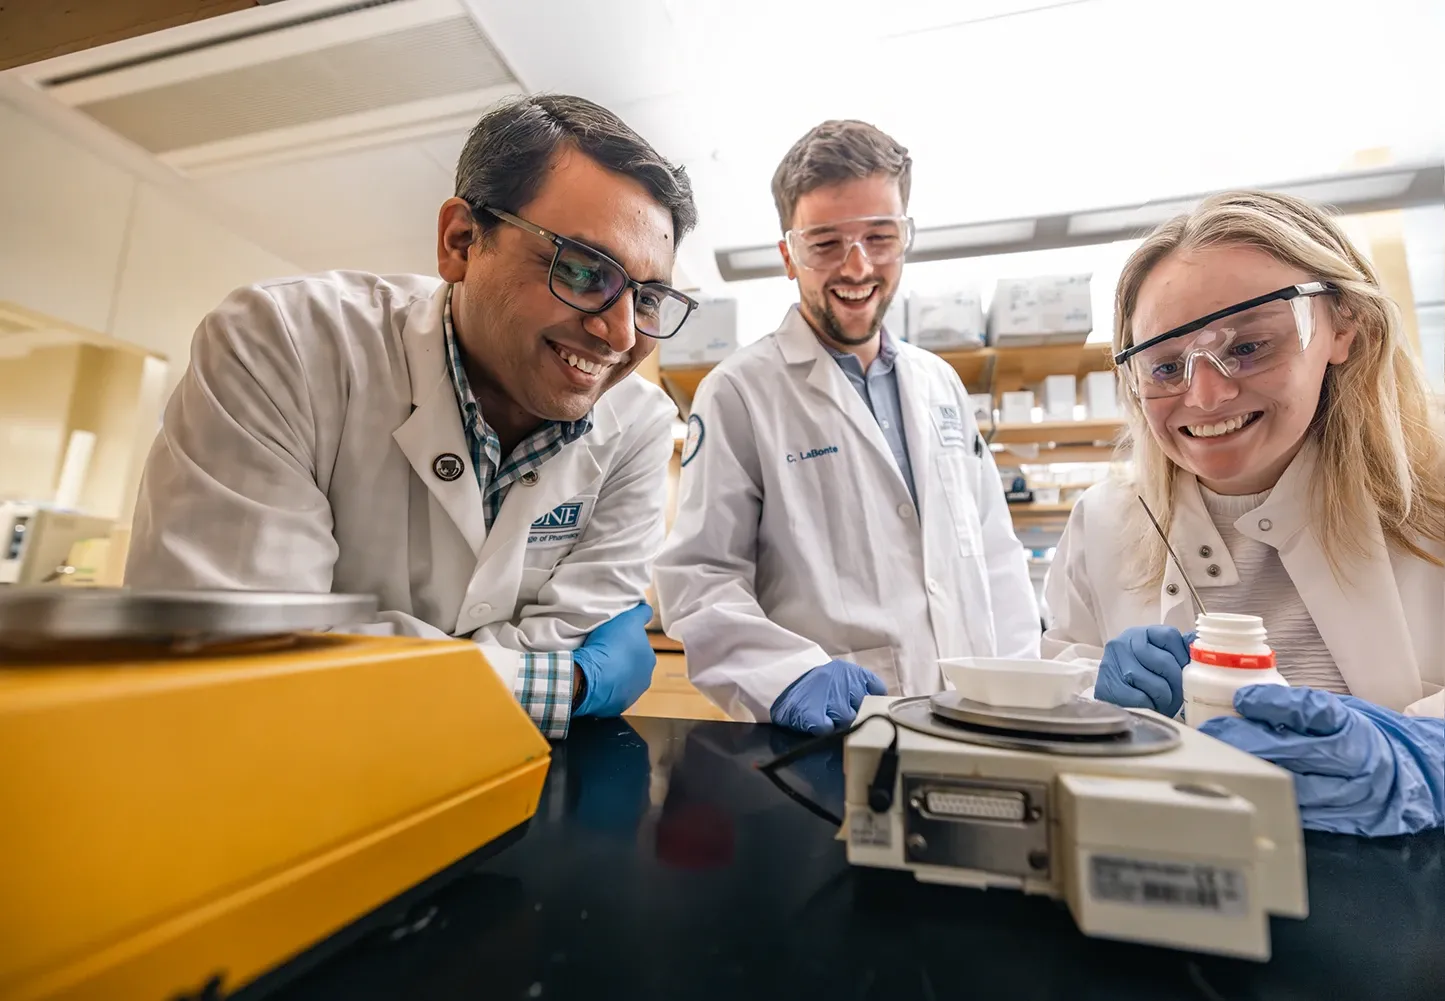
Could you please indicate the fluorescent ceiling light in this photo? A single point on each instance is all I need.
(1404, 186)
(1114, 220)
(977, 235)
(756, 257)
(1353, 190)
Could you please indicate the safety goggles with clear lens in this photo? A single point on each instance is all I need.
(589, 281)
(881, 239)
(1239, 341)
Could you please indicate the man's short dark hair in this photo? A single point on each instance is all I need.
(838, 151)
(505, 159)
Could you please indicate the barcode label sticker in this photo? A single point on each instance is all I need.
(1168, 884)
(867, 829)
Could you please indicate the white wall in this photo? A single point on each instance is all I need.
(93, 244)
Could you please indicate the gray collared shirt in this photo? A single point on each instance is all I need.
(879, 389)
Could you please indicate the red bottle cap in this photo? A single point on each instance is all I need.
(1249, 661)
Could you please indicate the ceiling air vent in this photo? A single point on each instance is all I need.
(324, 81)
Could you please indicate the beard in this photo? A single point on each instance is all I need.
(832, 327)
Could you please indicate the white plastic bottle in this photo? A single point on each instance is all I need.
(1228, 653)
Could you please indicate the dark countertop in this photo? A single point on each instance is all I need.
(661, 865)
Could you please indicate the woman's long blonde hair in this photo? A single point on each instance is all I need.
(1381, 451)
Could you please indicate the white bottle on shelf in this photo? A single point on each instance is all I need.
(1229, 652)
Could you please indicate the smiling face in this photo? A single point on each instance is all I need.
(1237, 435)
(846, 303)
(529, 356)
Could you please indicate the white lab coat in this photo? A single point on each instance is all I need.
(796, 540)
(298, 454)
(1385, 627)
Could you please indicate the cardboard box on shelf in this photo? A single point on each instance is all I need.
(1046, 310)
(709, 335)
(1101, 396)
(946, 322)
(1016, 408)
(1061, 392)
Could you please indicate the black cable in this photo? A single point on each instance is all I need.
(886, 773)
(803, 801)
(818, 743)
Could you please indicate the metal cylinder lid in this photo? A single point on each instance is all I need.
(31, 616)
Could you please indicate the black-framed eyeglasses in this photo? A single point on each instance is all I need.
(591, 282)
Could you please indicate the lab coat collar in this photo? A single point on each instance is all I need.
(1378, 664)
(800, 346)
(434, 429)
(1287, 508)
(425, 346)
(433, 433)
(1197, 542)
(796, 339)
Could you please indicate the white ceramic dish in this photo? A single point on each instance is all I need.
(1003, 681)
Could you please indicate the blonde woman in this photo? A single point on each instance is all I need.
(1285, 438)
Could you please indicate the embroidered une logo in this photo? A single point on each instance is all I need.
(948, 413)
(561, 516)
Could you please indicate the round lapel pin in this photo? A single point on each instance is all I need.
(448, 466)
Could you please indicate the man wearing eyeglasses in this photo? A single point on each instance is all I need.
(841, 526)
(475, 451)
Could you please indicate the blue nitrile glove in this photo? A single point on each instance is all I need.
(1143, 668)
(616, 663)
(1358, 768)
(826, 698)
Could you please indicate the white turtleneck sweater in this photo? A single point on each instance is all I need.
(1265, 589)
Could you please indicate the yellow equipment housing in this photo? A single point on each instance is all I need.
(164, 819)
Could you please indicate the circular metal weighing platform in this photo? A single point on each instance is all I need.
(1080, 728)
(1075, 718)
(35, 616)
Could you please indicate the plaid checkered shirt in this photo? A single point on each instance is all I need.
(544, 681)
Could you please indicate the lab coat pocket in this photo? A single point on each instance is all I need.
(882, 662)
(957, 474)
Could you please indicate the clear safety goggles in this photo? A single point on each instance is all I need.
(1239, 341)
(881, 240)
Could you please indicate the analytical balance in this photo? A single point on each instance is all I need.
(195, 789)
(1149, 831)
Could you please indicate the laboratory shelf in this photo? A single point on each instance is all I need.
(1091, 432)
(982, 370)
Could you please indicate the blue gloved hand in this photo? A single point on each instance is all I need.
(1358, 768)
(1143, 668)
(826, 698)
(616, 663)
